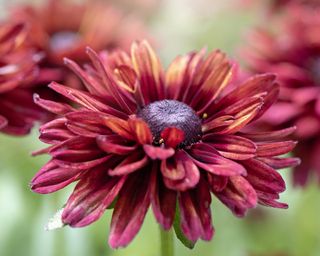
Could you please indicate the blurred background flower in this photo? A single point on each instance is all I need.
(179, 26)
(297, 63)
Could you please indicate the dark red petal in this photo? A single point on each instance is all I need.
(172, 136)
(173, 168)
(92, 195)
(158, 152)
(238, 196)
(86, 123)
(148, 68)
(195, 212)
(141, 131)
(217, 183)
(114, 144)
(232, 146)
(279, 163)
(51, 178)
(183, 164)
(111, 84)
(269, 136)
(130, 210)
(275, 148)
(163, 200)
(53, 107)
(262, 177)
(119, 126)
(207, 158)
(82, 165)
(130, 164)
(86, 100)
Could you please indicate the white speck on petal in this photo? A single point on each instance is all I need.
(55, 222)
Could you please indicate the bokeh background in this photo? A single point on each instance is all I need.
(178, 26)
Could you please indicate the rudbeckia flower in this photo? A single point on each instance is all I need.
(293, 52)
(18, 68)
(62, 28)
(142, 136)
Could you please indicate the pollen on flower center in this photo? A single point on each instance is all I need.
(171, 113)
(63, 40)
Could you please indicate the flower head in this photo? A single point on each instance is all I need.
(144, 136)
(18, 68)
(297, 62)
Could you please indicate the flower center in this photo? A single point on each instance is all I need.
(314, 68)
(63, 40)
(171, 113)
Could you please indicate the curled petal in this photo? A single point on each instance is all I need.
(182, 165)
(51, 178)
(92, 195)
(279, 163)
(207, 158)
(158, 152)
(119, 126)
(238, 195)
(262, 177)
(195, 213)
(130, 164)
(172, 136)
(163, 200)
(53, 107)
(141, 131)
(130, 210)
(114, 144)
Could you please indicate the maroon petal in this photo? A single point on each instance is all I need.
(195, 212)
(217, 183)
(238, 196)
(130, 209)
(92, 195)
(279, 163)
(172, 136)
(158, 152)
(275, 148)
(141, 131)
(53, 107)
(163, 200)
(82, 165)
(262, 177)
(51, 178)
(182, 164)
(114, 144)
(269, 136)
(232, 146)
(148, 68)
(119, 126)
(207, 158)
(130, 164)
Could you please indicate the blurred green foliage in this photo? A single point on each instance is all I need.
(179, 26)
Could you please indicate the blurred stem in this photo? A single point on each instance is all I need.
(166, 243)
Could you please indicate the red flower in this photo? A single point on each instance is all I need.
(18, 68)
(143, 136)
(294, 54)
(61, 28)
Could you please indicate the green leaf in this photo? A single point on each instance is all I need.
(176, 224)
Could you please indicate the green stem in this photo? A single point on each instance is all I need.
(167, 246)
